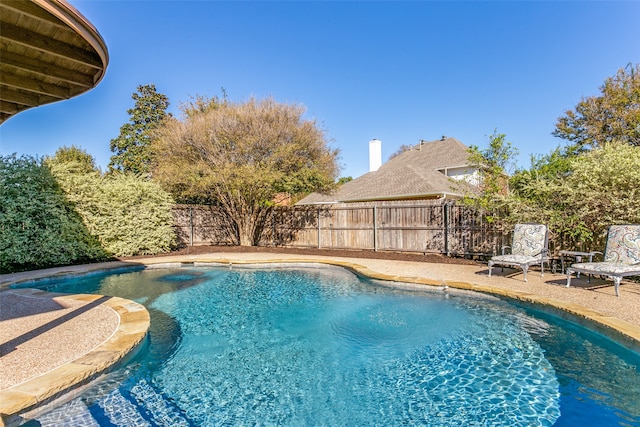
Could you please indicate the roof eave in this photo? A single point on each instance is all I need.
(435, 195)
(456, 167)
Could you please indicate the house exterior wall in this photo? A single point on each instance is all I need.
(468, 174)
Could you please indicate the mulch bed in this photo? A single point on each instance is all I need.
(397, 256)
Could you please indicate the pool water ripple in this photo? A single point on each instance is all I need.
(288, 350)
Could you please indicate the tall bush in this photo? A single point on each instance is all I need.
(38, 227)
(135, 216)
(579, 197)
(604, 188)
(129, 214)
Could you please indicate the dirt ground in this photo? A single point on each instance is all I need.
(399, 256)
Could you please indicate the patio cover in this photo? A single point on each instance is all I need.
(48, 52)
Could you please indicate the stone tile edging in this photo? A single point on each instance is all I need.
(134, 322)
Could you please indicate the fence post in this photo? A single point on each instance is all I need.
(190, 226)
(331, 234)
(319, 228)
(446, 215)
(273, 228)
(375, 228)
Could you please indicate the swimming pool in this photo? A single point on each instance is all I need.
(322, 346)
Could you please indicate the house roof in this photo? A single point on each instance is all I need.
(49, 52)
(414, 174)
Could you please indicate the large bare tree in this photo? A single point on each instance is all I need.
(238, 156)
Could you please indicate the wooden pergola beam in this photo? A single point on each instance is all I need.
(48, 52)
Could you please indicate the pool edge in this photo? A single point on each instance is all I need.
(133, 326)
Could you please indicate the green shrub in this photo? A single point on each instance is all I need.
(129, 214)
(38, 226)
(580, 196)
(135, 216)
(604, 189)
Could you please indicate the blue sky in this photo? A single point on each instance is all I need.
(391, 70)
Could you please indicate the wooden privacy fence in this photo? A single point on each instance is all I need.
(446, 228)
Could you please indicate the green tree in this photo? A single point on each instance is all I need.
(614, 115)
(238, 156)
(131, 148)
(493, 163)
(344, 179)
(537, 194)
(538, 185)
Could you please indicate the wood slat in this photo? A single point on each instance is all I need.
(35, 86)
(12, 61)
(16, 34)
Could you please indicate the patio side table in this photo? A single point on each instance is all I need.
(577, 255)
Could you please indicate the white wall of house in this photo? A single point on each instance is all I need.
(463, 173)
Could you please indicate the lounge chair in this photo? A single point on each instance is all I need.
(529, 247)
(621, 256)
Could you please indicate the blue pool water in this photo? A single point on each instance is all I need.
(321, 346)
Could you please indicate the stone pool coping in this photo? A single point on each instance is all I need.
(132, 326)
(135, 319)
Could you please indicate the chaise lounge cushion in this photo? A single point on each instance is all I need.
(515, 259)
(623, 244)
(606, 268)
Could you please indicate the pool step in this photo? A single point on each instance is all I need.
(161, 411)
(139, 405)
(74, 413)
(117, 409)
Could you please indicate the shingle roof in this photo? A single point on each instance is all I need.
(416, 173)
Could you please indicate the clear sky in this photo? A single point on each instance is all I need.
(391, 70)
